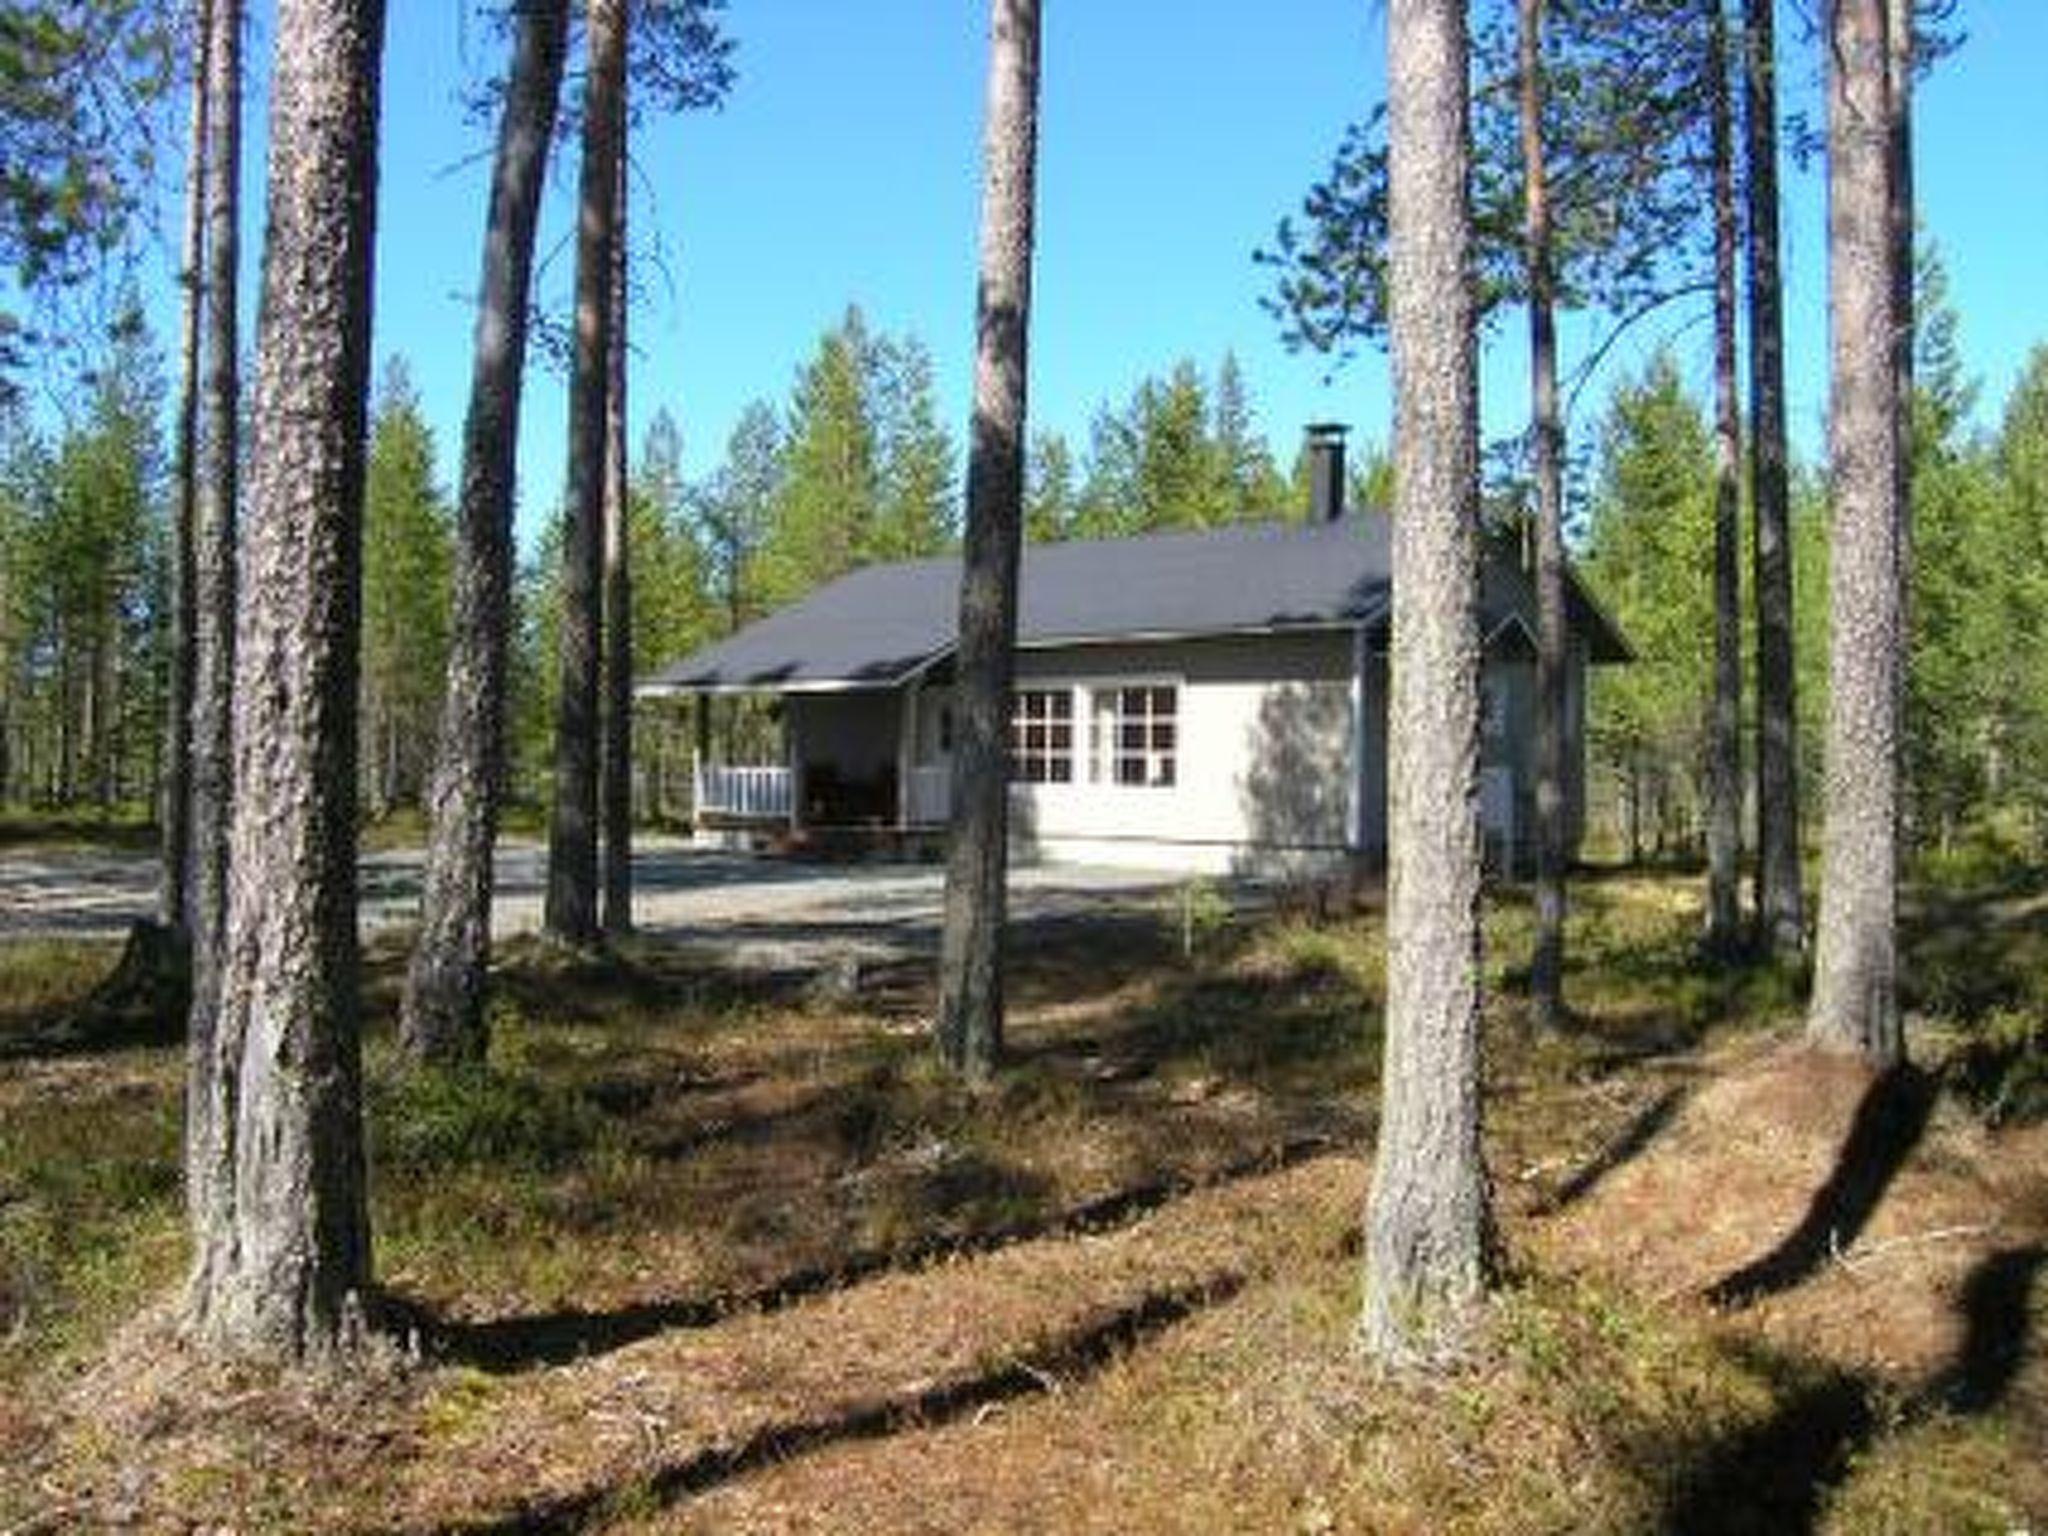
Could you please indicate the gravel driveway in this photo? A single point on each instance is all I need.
(758, 910)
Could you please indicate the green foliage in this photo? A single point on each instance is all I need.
(79, 84)
(82, 587)
(734, 509)
(672, 608)
(1977, 683)
(408, 560)
(866, 470)
(1182, 452)
(1624, 125)
(915, 514)
(1049, 488)
(428, 1119)
(1651, 543)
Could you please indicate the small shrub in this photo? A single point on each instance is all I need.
(2001, 1066)
(439, 1119)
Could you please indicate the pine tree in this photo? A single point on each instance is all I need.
(283, 1255)
(1780, 896)
(1652, 530)
(615, 795)
(407, 561)
(734, 514)
(829, 492)
(1428, 1258)
(175, 804)
(1855, 988)
(970, 1015)
(442, 1014)
(1546, 431)
(570, 908)
(77, 123)
(1049, 490)
(1724, 771)
(210, 1054)
(1251, 483)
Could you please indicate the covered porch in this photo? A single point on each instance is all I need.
(855, 760)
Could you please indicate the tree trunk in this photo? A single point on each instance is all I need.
(571, 907)
(1724, 761)
(175, 804)
(618, 592)
(211, 1061)
(1899, 44)
(442, 1017)
(1780, 901)
(1428, 1245)
(285, 1270)
(970, 1020)
(1546, 971)
(1855, 1000)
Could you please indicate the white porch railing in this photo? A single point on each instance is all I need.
(755, 793)
(930, 791)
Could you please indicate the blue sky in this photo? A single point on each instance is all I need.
(844, 169)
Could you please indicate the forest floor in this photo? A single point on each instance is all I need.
(701, 1253)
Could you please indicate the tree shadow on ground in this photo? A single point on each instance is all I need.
(1778, 1476)
(1073, 1357)
(1304, 1028)
(1997, 1312)
(1889, 1123)
(1774, 1479)
(1634, 1138)
(508, 1345)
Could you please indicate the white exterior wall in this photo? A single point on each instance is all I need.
(1264, 760)
(1268, 761)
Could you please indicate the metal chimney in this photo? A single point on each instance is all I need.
(1325, 448)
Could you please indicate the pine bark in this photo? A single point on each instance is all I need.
(1855, 987)
(1724, 761)
(211, 1061)
(174, 898)
(287, 1266)
(618, 596)
(1428, 1247)
(970, 1018)
(442, 1017)
(570, 911)
(1780, 898)
(1546, 971)
(1899, 65)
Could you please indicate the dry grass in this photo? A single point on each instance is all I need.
(705, 1255)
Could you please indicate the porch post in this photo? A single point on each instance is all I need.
(906, 752)
(793, 755)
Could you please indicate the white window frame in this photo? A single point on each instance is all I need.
(1071, 755)
(1103, 754)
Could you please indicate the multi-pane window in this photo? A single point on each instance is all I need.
(1042, 736)
(1134, 735)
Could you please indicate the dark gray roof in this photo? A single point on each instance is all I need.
(876, 626)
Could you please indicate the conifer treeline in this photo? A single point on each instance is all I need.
(1976, 761)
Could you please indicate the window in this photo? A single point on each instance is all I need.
(1042, 736)
(1134, 735)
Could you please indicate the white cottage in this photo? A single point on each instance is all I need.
(1209, 701)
